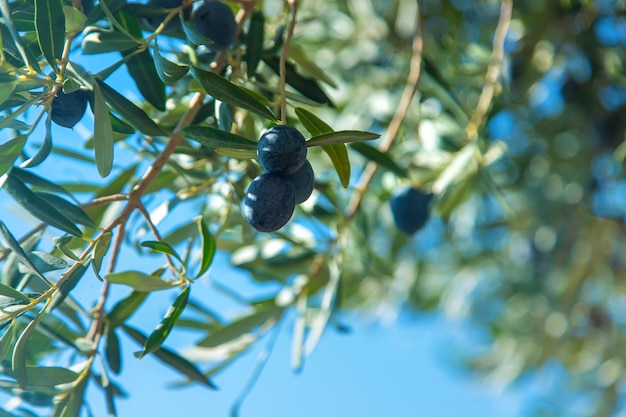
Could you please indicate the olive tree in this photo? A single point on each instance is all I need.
(495, 131)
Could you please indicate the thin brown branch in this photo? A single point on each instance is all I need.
(397, 120)
(493, 71)
(102, 201)
(293, 4)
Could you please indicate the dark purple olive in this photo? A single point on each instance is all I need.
(410, 208)
(282, 150)
(269, 202)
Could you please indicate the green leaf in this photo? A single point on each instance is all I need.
(132, 114)
(382, 159)
(339, 156)
(10, 151)
(74, 20)
(343, 136)
(140, 281)
(70, 210)
(308, 87)
(43, 262)
(215, 138)
(161, 247)
(240, 327)
(222, 89)
(60, 243)
(99, 251)
(98, 42)
(102, 134)
(17, 46)
(168, 71)
(194, 36)
(18, 364)
(125, 308)
(112, 351)
(45, 149)
(97, 13)
(50, 26)
(38, 207)
(208, 247)
(48, 376)
(236, 153)
(68, 285)
(15, 247)
(163, 329)
(6, 89)
(171, 359)
(39, 182)
(254, 42)
(6, 341)
(13, 293)
(141, 66)
(312, 123)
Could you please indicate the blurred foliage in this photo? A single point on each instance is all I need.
(526, 239)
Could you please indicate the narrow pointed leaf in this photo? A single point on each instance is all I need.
(131, 114)
(171, 359)
(160, 333)
(99, 251)
(254, 42)
(98, 42)
(49, 375)
(125, 308)
(74, 20)
(38, 207)
(102, 134)
(15, 247)
(382, 159)
(10, 151)
(6, 341)
(112, 351)
(13, 293)
(208, 247)
(6, 89)
(192, 35)
(312, 123)
(18, 364)
(43, 262)
(45, 149)
(240, 327)
(97, 13)
(28, 177)
(17, 44)
(68, 285)
(141, 66)
(161, 247)
(222, 89)
(168, 71)
(215, 138)
(140, 281)
(70, 210)
(339, 156)
(343, 136)
(50, 26)
(308, 87)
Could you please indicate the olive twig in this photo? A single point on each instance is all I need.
(397, 120)
(293, 4)
(491, 78)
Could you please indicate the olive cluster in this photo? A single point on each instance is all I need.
(288, 179)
